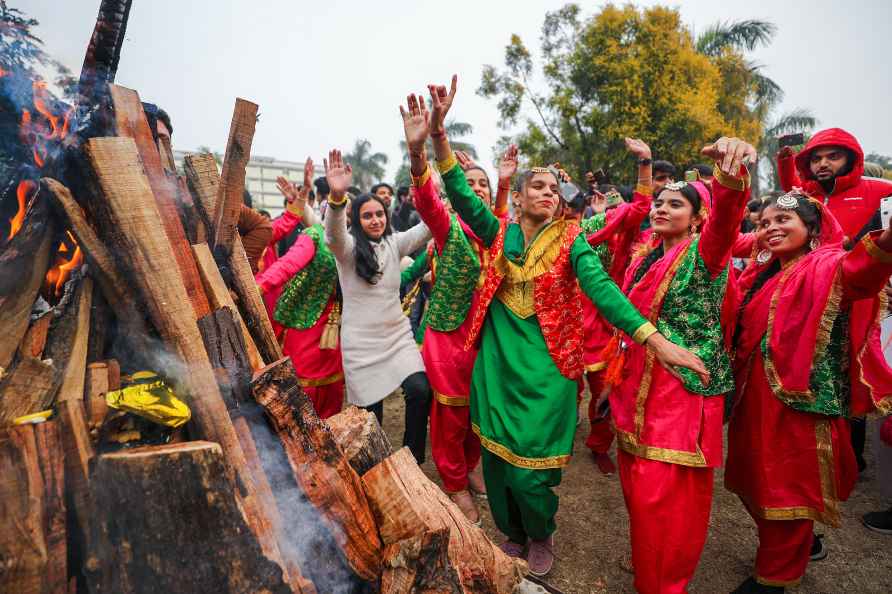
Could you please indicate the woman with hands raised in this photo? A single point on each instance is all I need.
(379, 354)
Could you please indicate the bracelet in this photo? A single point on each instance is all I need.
(438, 134)
(337, 203)
(644, 162)
(421, 179)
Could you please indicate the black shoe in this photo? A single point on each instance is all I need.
(880, 521)
(818, 550)
(751, 586)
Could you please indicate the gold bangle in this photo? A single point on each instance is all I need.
(421, 179)
(729, 181)
(337, 203)
(447, 163)
(875, 251)
(644, 190)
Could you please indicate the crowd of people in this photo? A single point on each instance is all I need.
(685, 304)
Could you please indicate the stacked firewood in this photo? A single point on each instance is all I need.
(254, 493)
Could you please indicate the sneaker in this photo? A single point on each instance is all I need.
(476, 484)
(880, 521)
(540, 556)
(512, 549)
(466, 504)
(818, 550)
(751, 586)
(605, 463)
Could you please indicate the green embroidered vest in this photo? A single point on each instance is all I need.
(691, 317)
(305, 296)
(457, 272)
(593, 225)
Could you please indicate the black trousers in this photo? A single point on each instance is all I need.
(417, 392)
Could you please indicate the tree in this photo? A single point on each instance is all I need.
(881, 160)
(368, 167)
(627, 72)
(799, 120)
(455, 131)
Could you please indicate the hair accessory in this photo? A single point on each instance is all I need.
(814, 244)
(788, 201)
(676, 186)
(763, 257)
(541, 170)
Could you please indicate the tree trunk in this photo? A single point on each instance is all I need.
(320, 467)
(360, 437)
(417, 521)
(166, 519)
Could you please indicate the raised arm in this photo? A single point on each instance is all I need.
(507, 169)
(415, 271)
(786, 169)
(730, 193)
(295, 259)
(866, 269)
(339, 176)
(296, 203)
(466, 203)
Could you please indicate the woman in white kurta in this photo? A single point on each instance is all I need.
(378, 350)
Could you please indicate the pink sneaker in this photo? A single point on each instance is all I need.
(540, 557)
(512, 549)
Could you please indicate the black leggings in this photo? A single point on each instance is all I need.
(417, 392)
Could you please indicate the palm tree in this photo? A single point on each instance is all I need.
(368, 167)
(798, 120)
(455, 131)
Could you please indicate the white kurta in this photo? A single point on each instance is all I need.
(376, 338)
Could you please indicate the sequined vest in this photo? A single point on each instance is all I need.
(457, 269)
(545, 286)
(307, 293)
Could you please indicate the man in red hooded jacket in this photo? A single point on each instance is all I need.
(831, 165)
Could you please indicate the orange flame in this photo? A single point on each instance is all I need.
(3, 72)
(38, 131)
(25, 188)
(58, 274)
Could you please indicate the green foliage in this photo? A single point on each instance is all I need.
(799, 120)
(368, 167)
(881, 160)
(630, 72)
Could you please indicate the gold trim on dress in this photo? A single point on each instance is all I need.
(422, 179)
(520, 461)
(596, 367)
(882, 403)
(448, 163)
(644, 331)
(826, 466)
(876, 251)
(644, 190)
(518, 297)
(322, 381)
(539, 257)
(630, 444)
(452, 400)
(729, 181)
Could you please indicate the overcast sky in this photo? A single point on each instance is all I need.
(327, 72)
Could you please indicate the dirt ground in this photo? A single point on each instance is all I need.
(592, 538)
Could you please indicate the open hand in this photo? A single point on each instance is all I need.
(670, 355)
(288, 189)
(638, 148)
(730, 153)
(464, 160)
(441, 102)
(338, 174)
(416, 122)
(309, 171)
(508, 164)
(786, 152)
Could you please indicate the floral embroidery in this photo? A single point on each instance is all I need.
(307, 293)
(458, 270)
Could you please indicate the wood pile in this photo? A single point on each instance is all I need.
(254, 493)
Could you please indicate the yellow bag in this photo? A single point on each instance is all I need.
(151, 398)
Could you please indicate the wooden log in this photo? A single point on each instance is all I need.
(193, 222)
(203, 179)
(29, 387)
(414, 517)
(126, 209)
(360, 437)
(68, 340)
(78, 452)
(131, 122)
(142, 497)
(226, 349)
(35, 338)
(32, 511)
(23, 265)
(219, 296)
(96, 387)
(232, 180)
(114, 374)
(320, 467)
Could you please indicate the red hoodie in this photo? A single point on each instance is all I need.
(854, 200)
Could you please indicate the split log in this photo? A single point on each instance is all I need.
(29, 387)
(35, 338)
(320, 467)
(131, 122)
(192, 220)
(32, 512)
(125, 208)
(23, 265)
(104, 52)
(97, 386)
(139, 544)
(114, 374)
(203, 179)
(226, 350)
(219, 297)
(68, 340)
(78, 452)
(230, 193)
(361, 438)
(430, 546)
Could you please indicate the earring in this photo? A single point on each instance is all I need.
(763, 257)
(814, 244)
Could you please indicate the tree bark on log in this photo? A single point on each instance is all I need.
(360, 437)
(140, 545)
(126, 211)
(226, 350)
(203, 179)
(32, 512)
(230, 192)
(68, 340)
(29, 387)
(417, 520)
(131, 122)
(320, 467)
(23, 265)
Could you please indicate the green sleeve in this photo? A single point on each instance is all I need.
(415, 271)
(593, 224)
(601, 289)
(469, 206)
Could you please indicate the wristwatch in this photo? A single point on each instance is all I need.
(644, 162)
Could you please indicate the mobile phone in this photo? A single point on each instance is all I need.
(791, 140)
(692, 175)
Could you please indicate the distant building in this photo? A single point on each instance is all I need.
(260, 179)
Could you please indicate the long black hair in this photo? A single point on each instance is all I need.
(367, 266)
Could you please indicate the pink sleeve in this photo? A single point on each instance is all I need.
(284, 225)
(786, 172)
(294, 260)
(432, 211)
